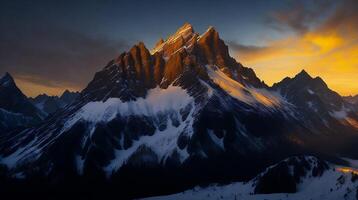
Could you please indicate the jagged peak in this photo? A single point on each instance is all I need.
(6, 75)
(211, 30)
(185, 36)
(140, 50)
(181, 37)
(186, 27)
(6, 79)
(159, 42)
(139, 45)
(304, 73)
(68, 92)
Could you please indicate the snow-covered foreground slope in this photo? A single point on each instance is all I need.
(333, 184)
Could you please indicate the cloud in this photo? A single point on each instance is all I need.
(53, 57)
(344, 20)
(329, 49)
(299, 16)
(247, 48)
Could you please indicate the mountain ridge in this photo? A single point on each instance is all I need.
(50, 104)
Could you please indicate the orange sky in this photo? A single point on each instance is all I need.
(33, 88)
(328, 50)
(330, 56)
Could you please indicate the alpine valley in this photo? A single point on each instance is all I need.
(180, 116)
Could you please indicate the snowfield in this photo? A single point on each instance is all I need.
(332, 185)
(157, 101)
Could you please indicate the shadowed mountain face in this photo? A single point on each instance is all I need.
(182, 114)
(352, 99)
(319, 103)
(50, 104)
(15, 109)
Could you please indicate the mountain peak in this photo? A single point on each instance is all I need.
(159, 42)
(211, 30)
(185, 27)
(6, 79)
(7, 75)
(303, 74)
(66, 92)
(182, 37)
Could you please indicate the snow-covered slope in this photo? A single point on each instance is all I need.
(248, 95)
(333, 184)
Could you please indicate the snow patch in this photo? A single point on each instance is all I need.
(158, 100)
(342, 116)
(218, 141)
(162, 143)
(310, 91)
(249, 95)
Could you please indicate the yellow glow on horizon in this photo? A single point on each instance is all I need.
(331, 56)
(31, 89)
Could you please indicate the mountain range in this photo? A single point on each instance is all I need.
(50, 104)
(18, 111)
(185, 113)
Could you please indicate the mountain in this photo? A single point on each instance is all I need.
(15, 109)
(318, 103)
(352, 99)
(300, 177)
(50, 104)
(162, 121)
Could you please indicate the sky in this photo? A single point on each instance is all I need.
(49, 46)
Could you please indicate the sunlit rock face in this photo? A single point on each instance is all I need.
(185, 112)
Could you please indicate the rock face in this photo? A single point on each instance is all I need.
(184, 113)
(15, 109)
(50, 104)
(353, 100)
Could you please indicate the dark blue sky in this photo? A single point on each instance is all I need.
(50, 43)
(135, 20)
